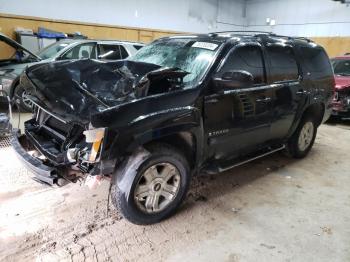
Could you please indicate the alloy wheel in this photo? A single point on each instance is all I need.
(157, 187)
(305, 136)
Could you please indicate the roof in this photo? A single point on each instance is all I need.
(244, 35)
(72, 40)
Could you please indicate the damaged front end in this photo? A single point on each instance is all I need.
(341, 102)
(60, 143)
(56, 150)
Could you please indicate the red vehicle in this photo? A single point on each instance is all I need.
(341, 101)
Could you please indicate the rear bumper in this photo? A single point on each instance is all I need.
(42, 172)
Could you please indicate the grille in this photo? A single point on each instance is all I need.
(45, 119)
(5, 142)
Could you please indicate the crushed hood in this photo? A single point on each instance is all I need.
(77, 89)
(342, 82)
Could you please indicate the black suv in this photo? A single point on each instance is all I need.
(182, 105)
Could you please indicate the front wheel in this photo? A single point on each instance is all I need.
(152, 186)
(21, 95)
(303, 138)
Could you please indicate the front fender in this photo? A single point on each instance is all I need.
(163, 123)
(147, 128)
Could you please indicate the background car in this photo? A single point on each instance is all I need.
(67, 49)
(341, 101)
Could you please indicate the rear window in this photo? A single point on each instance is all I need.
(283, 66)
(137, 47)
(316, 60)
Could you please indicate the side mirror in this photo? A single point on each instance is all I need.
(233, 80)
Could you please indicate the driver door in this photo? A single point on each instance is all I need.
(237, 120)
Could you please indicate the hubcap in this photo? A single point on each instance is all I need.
(157, 187)
(305, 136)
(25, 99)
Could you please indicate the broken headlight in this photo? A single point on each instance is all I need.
(94, 136)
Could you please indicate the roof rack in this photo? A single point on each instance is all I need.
(293, 37)
(263, 33)
(238, 31)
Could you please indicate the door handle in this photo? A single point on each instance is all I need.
(301, 92)
(263, 100)
(212, 101)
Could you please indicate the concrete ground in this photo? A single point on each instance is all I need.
(273, 209)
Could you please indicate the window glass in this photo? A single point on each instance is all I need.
(341, 67)
(51, 50)
(82, 51)
(247, 58)
(109, 52)
(137, 47)
(316, 60)
(283, 67)
(185, 54)
(123, 52)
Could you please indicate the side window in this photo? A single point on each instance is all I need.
(247, 58)
(283, 66)
(137, 47)
(109, 52)
(82, 51)
(316, 60)
(123, 52)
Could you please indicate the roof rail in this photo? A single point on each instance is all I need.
(238, 31)
(293, 37)
(263, 33)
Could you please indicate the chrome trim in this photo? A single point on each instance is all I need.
(58, 118)
(251, 159)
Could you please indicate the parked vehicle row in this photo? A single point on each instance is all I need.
(67, 49)
(180, 106)
(341, 102)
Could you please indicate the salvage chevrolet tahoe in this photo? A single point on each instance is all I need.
(181, 106)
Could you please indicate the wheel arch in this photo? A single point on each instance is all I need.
(317, 110)
(184, 141)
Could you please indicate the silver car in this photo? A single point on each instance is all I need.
(67, 49)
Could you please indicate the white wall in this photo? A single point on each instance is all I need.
(300, 17)
(178, 15)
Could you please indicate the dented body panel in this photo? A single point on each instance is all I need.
(138, 102)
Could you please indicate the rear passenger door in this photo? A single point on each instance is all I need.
(111, 52)
(288, 91)
(238, 120)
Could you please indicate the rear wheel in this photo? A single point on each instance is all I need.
(303, 138)
(154, 187)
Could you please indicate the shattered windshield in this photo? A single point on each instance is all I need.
(186, 54)
(341, 67)
(52, 50)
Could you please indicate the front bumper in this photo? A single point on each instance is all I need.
(42, 172)
(341, 108)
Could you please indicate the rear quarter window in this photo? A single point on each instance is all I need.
(283, 65)
(316, 60)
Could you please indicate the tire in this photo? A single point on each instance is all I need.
(18, 95)
(151, 177)
(295, 147)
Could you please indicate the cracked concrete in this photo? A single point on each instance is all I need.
(274, 209)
